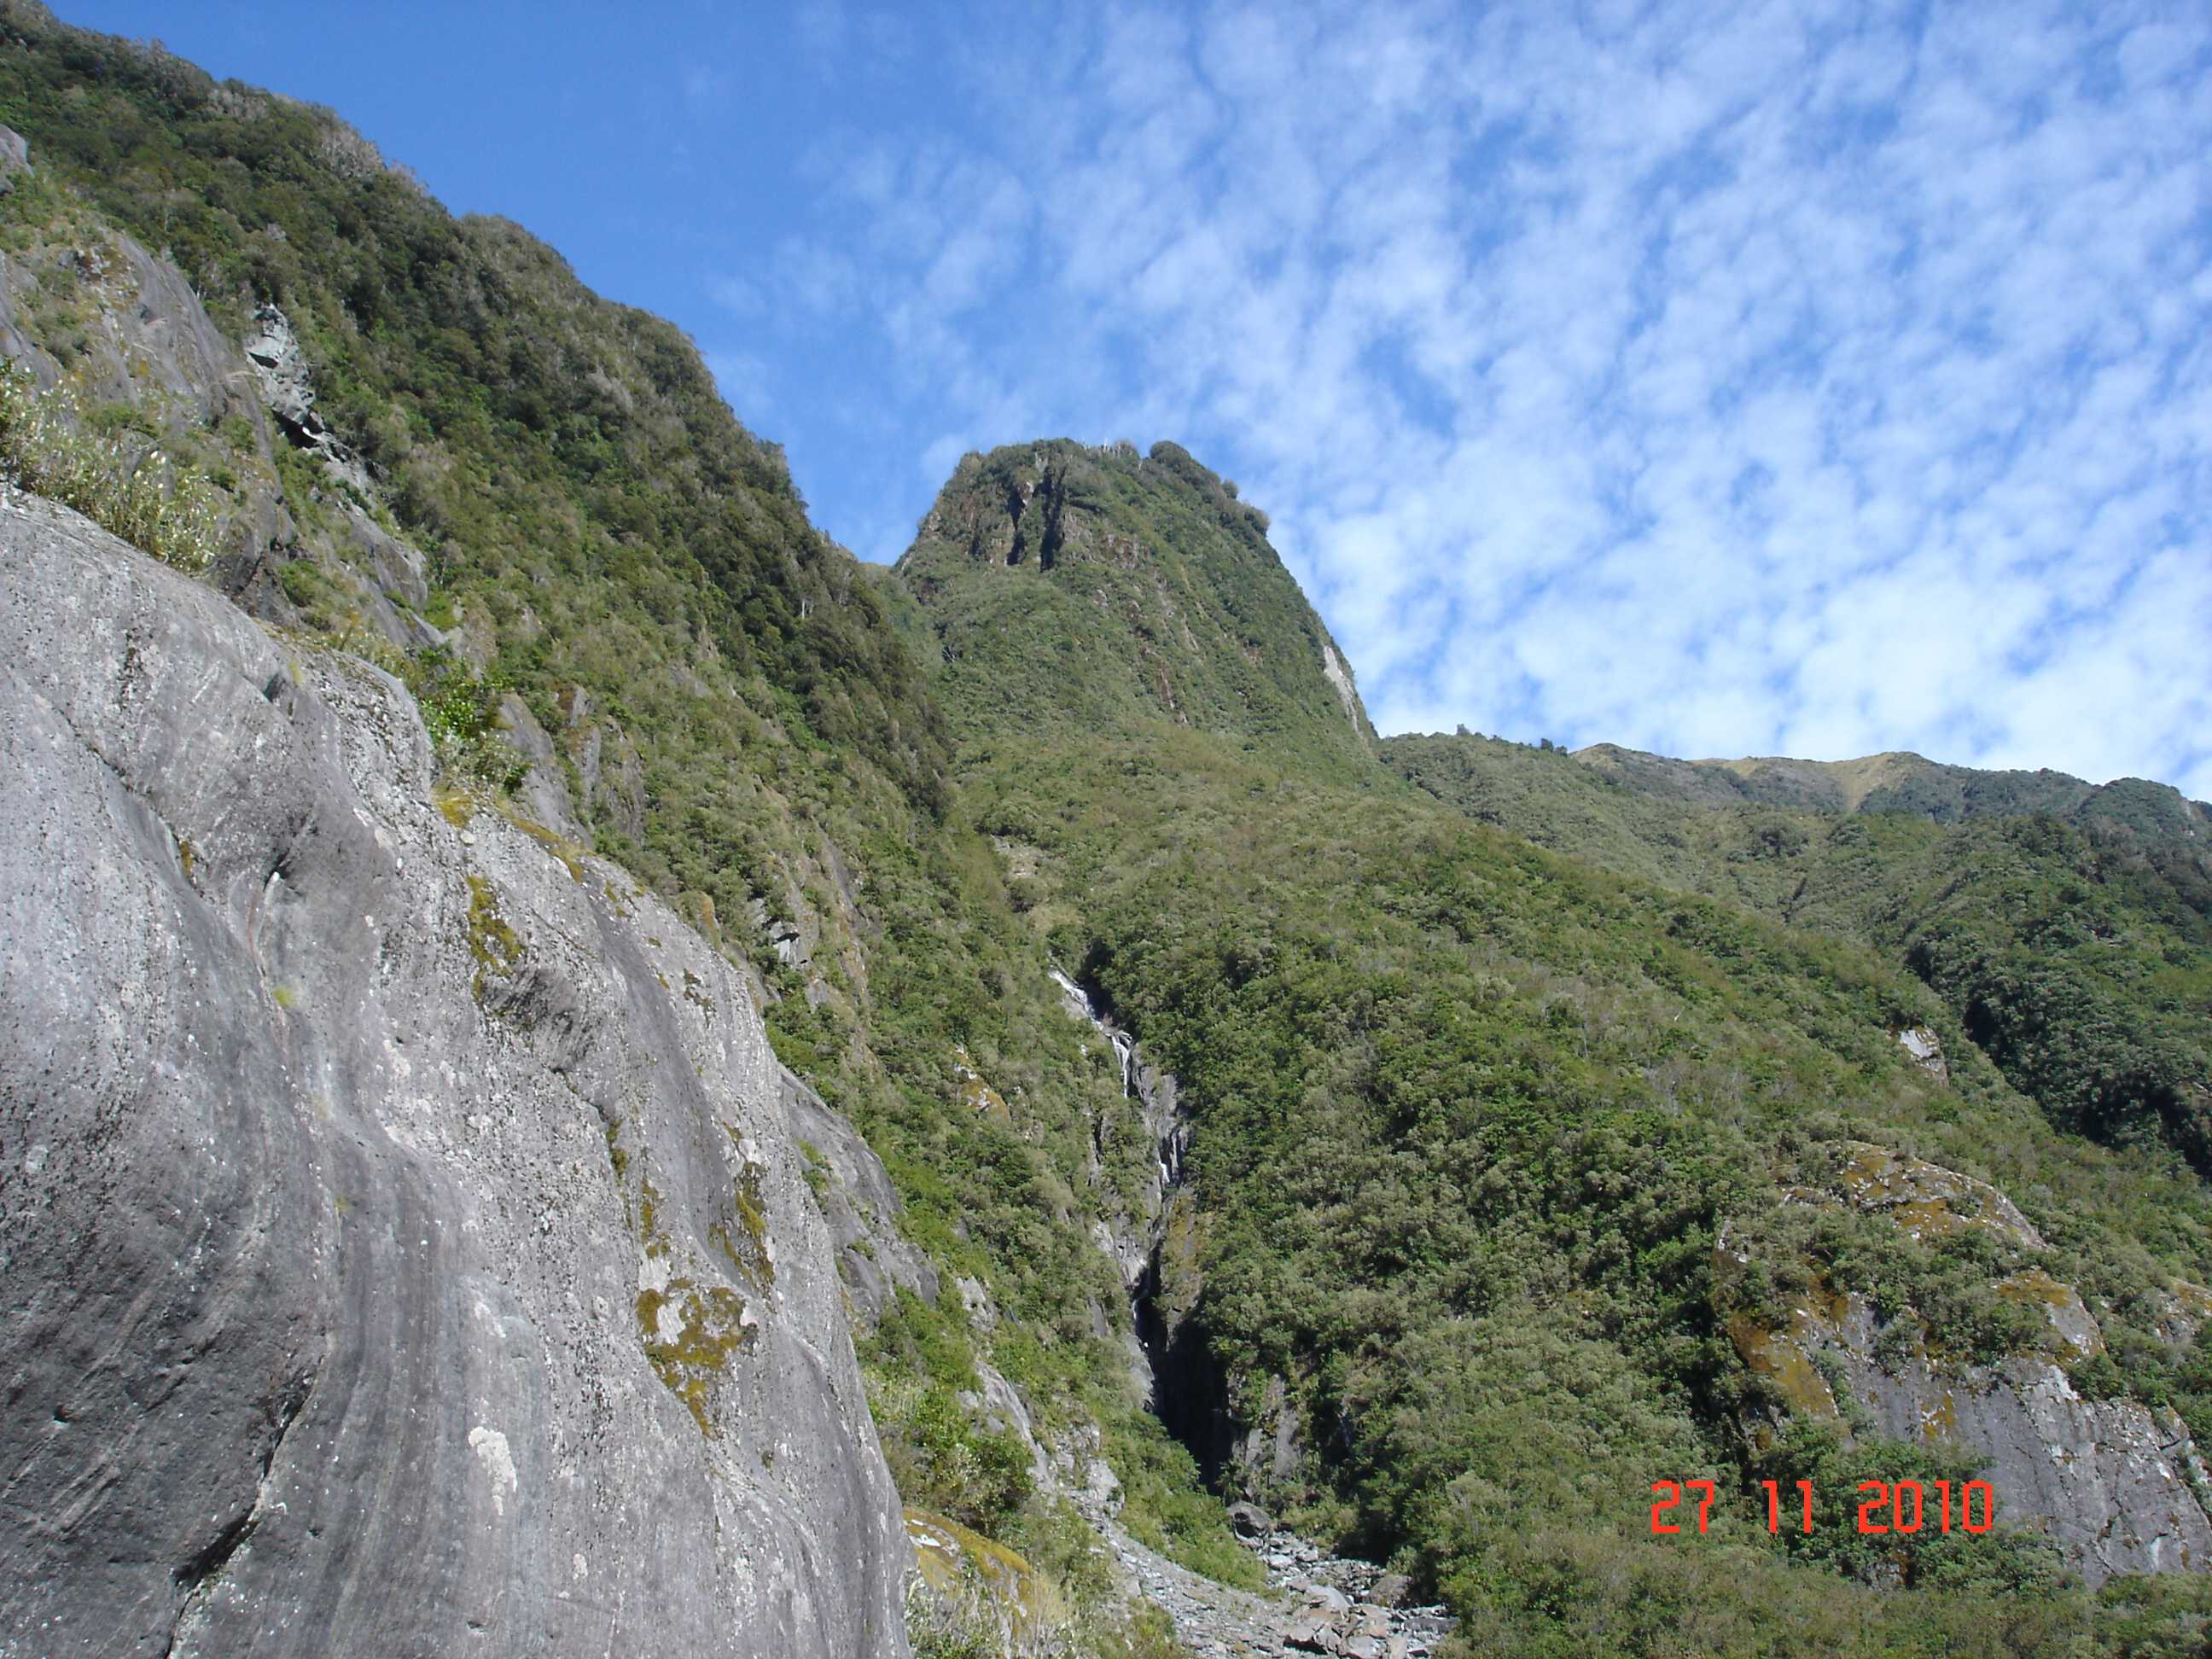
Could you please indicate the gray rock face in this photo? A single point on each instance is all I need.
(543, 797)
(2112, 1483)
(405, 1248)
(858, 1201)
(287, 383)
(2108, 1481)
(151, 344)
(146, 341)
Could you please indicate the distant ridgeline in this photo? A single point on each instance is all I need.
(1471, 1137)
(2065, 924)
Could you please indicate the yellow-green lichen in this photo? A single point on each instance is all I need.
(571, 855)
(2067, 1319)
(1926, 1201)
(745, 1256)
(496, 946)
(698, 910)
(648, 1221)
(979, 1577)
(2035, 1285)
(976, 1094)
(1939, 1421)
(747, 1248)
(689, 1336)
(817, 1171)
(1772, 1355)
(457, 804)
(689, 1331)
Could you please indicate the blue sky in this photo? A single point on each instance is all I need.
(1806, 378)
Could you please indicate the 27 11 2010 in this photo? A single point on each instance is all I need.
(1885, 1506)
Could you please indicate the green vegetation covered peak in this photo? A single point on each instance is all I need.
(1079, 590)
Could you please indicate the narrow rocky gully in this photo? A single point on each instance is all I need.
(1317, 1602)
(1321, 1603)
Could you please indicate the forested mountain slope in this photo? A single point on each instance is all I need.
(2068, 926)
(1516, 1182)
(1126, 593)
(1509, 1131)
(422, 444)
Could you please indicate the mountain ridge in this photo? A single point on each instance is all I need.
(1897, 780)
(1428, 1138)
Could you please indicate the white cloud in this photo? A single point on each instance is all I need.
(1716, 379)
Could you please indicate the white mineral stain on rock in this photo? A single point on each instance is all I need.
(1334, 670)
(490, 1448)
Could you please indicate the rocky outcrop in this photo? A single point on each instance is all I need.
(2114, 1483)
(1926, 1049)
(1339, 677)
(858, 1201)
(91, 307)
(976, 1587)
(1315, 1603)
(405, 1248)
(1158, 1251)
(137, 332)
(288, 389)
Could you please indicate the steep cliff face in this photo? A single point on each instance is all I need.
(1155, 1246)
(407, 1248)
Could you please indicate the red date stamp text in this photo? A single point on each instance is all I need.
(1884, 1506)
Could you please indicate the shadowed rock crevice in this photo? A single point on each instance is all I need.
(198, 1568)
(1190, 1390)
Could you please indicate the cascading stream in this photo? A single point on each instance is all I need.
(1335, 1604)
(1183, 1387)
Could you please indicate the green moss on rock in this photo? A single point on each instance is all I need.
(497, 948)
